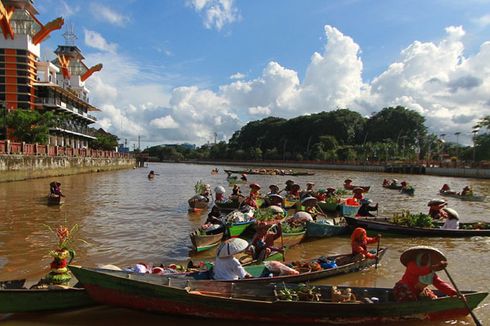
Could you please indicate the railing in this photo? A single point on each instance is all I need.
(8, 147)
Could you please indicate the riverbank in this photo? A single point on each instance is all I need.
(479, 173)
(24, 167)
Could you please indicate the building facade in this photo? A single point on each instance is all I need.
(28, 83)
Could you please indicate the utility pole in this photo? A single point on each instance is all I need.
(215, 136)
(475, 132)
(139, 142)
(457, 143)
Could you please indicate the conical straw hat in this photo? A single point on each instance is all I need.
(230, 247)
(436, 201)
(310, 199)
(412, 253)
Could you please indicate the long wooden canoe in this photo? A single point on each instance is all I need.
(15, 297)
(384, 225)
(322, 230)
(269, 173)
(259, 302)
(236, 229)
(346, 263)
(464, 197)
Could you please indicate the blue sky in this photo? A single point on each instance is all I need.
(178, 71)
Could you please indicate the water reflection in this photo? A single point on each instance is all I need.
(126, 218)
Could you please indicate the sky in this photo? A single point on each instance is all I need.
(192, 71)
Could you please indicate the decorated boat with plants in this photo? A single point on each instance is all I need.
(294, 303)
(237, 222)
(58, 290)
(420, 225)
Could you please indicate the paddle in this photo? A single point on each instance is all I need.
(475, 319)
(377, 252)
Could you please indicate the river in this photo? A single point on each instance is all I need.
(126, 218)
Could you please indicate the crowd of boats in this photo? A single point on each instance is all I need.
(251, 279)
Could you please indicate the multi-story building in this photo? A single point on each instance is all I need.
(28, 83)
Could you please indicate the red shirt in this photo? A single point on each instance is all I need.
(411, 279)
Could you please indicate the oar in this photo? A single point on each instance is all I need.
(475, 319)
(282, 245)
(377, 252)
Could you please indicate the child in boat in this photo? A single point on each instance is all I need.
(359, 242)
(226, 265)
(262, 243)
(422, 262)
(452, 219)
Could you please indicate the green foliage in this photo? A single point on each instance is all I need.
(104, 141)
(30, 126)
(199, 187)
(412, 220)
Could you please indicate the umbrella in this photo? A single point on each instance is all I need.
(412, 253)
(230, 247)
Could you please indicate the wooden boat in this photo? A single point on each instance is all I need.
(351, 187)
(15, 297)
(198, 202)
(259, 302)
(465, 197)
(323, 230)
(270, 172)
(290, 239)
(329, 205)
(55, 200)
(385, 226)
(202, 241)
(393, 187)
(409, 191)
(229, 205)
(236, 229)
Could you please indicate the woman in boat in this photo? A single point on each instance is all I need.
(348, 184)
(394, 183)
(367, 207)
(452, 219)
(386, 183)
(321, 195)
(226, 265)
(331, 192)
(275, 200)
(55, 189)
(308, 204)
(422, 262)
(436, 209)
(467, 191)
(213, 224)
(219, 194)
(294, 193)
(206, 192)
(274, 189)
(244, 177)
(357, 194)
(359, 242)
(445, 189)
(151, 175)
(251, 200)
(289, 184)
(236, 191)
(308, 192)
(262, 243)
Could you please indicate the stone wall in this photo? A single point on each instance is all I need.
(23, 167)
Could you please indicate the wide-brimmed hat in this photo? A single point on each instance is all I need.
(289, 182)
(437, 201)
(466, 188)
(451, 213)
(321, 191)
(255, 185)
(220, 190)
(411, 254)
(273, 187)
(347, 180)
(231, 247)
(357, 189)
(310, 183)
(276, 209)
(275, 196)
(330, 189)
(308, 199)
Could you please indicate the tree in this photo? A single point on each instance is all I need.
(30, 126)
(104, 141)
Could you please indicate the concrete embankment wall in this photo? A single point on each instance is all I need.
(23, 167)
(448, 172)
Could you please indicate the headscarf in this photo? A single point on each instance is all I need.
(359, 237)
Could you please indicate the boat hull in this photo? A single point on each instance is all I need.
(251, 302)
(319, 230)
(466, 198)
(203, 242)
(55, 200)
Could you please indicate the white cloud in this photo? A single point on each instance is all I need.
(259, 110)
(166, 122)
(237, 75)
(66, 10)
(97, 41)
(216, 13)
(483, 21)
(106, 14)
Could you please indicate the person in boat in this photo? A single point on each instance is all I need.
(251, 200)
(394, 183)
(213, 224)
(309, 205)
(331, 192)
(386, 183)
(359, 242)
(151, 175)
(436, 209)
(289, 184)
(404, 185)
(452, 219)
(55, 189)
(244, 177)
(357, 194)
(294, 193)
(308, 192)
(321, 195)
(226, 265)
(445, 189)
(348, 184)
(219, 193)
(206, 192)
(367, 207)
(236, 192)
(262, 244)
(274, 189)
(466, 191)
(421, 264)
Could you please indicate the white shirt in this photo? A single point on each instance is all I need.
(452, 224)
(228, 268)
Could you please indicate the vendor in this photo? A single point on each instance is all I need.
(436, 209)
(452, 219)
(359, 242)
(226, 266)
